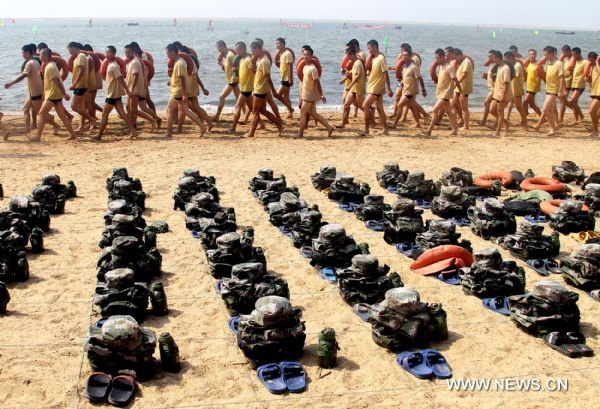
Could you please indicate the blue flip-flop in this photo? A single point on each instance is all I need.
(306, 251)
(437, 363)
(196, 234)
(422, 203)
(406, 249)
(100, 322)
(328, 273)
(449, 277)
(544, 266)
(293, 375)
(218, 286)
(497, 304)
(375, 225)
(415, 364)
(255, 194)
(362, 311)
(392, 188)
(347, 206)
(461, 221)
(233, 323)
(536, 218)
(285, 230)
(271, 377)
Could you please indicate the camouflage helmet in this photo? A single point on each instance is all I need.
(120, 172)
(550, 290)
(374, 200)
(125, 245)
(311, 216)
(51, 179)
(345, 178)
(229, 241)
(289, 202)
(392, 167)
(443, 227)
(119, 206)
(265, 173)
(195, 173)
(328, 171)
(488, 258)
(187, 183)
(405, 301)
(367, 264)
(123, 187)
(203, 200)
(453, 194)
(247, 271)
(122, 332)
(404, 206)
(40, 192)
(492, 206)
(415, 177)
(332, 233)
(271, 310)
(588, 252)
(119, 278)
(123, 220)
(570, 206)
(18, 203)
(531, 229)
(592, 189)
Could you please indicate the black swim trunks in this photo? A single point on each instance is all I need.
(532, 92)
(246, 93)
(596, 97)
(409, 96)
(54, 101)
(578, 89)
(36, 98)
(285, 83)
(79, 91)
(377, 95)
(261, 96)
(233, 84)
(549, 93)
(112, 101)
(140, 98)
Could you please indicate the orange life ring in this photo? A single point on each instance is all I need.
(549, 185)
(104, 66)
(278, 56)
(550, 206)
(150, 68)
(192, 52)
(100, 55)
(369, 63)
(148, 56)
(442, 258)
(398, 68)
(62, 65)
(344, 63)
(188, 60)
(302, 62)
(506, 178)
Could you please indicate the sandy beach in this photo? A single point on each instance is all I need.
(42, 362)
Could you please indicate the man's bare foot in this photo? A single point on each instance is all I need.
(426, 132)
(130, 137)
(215, 118)
(536, 127)
(298, 136)
(154, 125)
(497, 134)
(5, 135)
(340, 126)
(168, 136)
(95, 137)
(593, 135)
(452, 133)
(179, 129)
(290, 115)
(56, 129)
(482, 123)
(230, 130)
(330, 131)
(363, 133)
(552, 133)
(280, 129)
(158, 122)
(248, 135)
(210, 125)
(386, 131)
(70, 138)
(261, 125)
(203, 129)
(524, 128)
(34, 139)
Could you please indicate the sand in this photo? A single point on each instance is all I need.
(42, 363)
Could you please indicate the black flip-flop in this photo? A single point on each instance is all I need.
(578, 341)
(539, 265)
(97, 386)
(595, 295)
(122, 391)
(556, 341)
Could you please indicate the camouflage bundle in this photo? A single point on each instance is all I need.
(273, 191)
(439, 233)
(457, 177)
(121, 344)
(452, 202)
(210, 229)
(391, 175)
(123, 207)
(49, 201)
(592, 196)
(365, 281)
(69, 190)
(234, 249)
(13, 264)
(190, 184)
(126, 225)
(571, 218)
(286, 211)
(403, 222)
(129, 252)
(582, 268)
(27, 209)
(344, 189)
(402, 321)
(16, 231)
(121, 186)
(324, 178)
(4, 297)
(417, 187)
(247, 284)
(530, 243)
(547, 308)
(272, 332)
(568, 172)
(307, 227)
(491, 219)
(204, 206)
(333, 248)
(260, 181)
(373, 208)
(120, 294)
(490, 276)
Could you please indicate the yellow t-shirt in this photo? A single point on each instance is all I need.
(445, 85)
(284, 68)
(230, 74)
(34, 78)
(554, 71)
(114, 88)
(578, 75)
(310, 75)
(263, 69)
(467, 83)
(568, 74)
(138, 88)
(595, 86)
(179, 70)
(416, 59)
(358, 71)
(534, 82)
(51, 90)
(376, 82)
(191, 83)
(246, 75)
(361, 56)
(80, 70)
(410, 79)
(503, 81)
(518, 81)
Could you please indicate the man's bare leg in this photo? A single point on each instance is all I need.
(521, 111)
(464, 107)
(382, 116)
(594, 111)
(224, 94)
(284, 92)
(369, 101)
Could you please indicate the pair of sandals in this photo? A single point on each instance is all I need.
(461, 221)
(282, 377)
(328, 274)
(407, 249)
(586, 237)
(233, 324)
(422, 203)
(497, 304)
(119, 391)
(571, 344)
(536, 218)
(348, 206)
(544, 266)
(286, 231)
(425, 364)
(449, 277)
(375, 225)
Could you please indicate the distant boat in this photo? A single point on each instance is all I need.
(368, 26)
(398, 27)
(565, 32)
(133, 24)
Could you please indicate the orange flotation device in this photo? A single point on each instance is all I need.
(345, 62)
(188, 60)
(551, 206)
(192, 52)
(148, 56)
(278, 56)
(99, 55)
(302, 63)
(549, 185)
(104, 67)
(587, 71)
(506, 178)
(442, 258)
(150, 68)
(96, 61)
(62, 65)
(398, 69)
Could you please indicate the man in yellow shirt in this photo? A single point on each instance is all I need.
(144, 101)
(54, 92)
(489, 77)
(286, 69)
(231, 76)
(411, 78)
(518, 90)
(446, 82)
(464, 76)
(552, 73)
(178, 101)
(416, 58)
(502, 93)
(79, 84)
(246, 75)
(576, 68)
(194, 85)
(135, 80)
(354, 85)
(362, 57)
(94, 81)
(377, 84)
(594, 108)
(310, 93)
(116, 88)
(263, 85)
(534, 82)
(565, 58)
